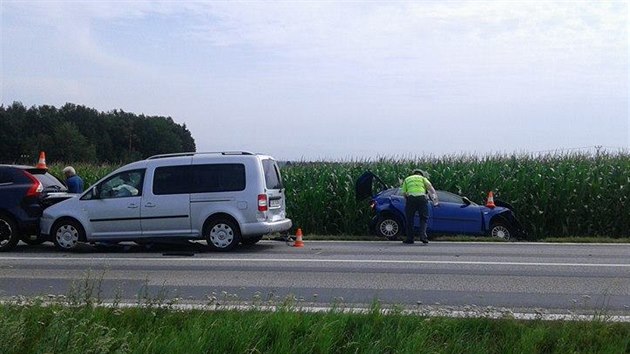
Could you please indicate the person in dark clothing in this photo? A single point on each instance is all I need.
(73, 181)
(415, 188)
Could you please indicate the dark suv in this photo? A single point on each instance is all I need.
(23, 193)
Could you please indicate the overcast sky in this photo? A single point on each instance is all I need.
(334, 79)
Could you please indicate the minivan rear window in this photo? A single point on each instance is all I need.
(225, 177)
(272, 174)
(206, 178)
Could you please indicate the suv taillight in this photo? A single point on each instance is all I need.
(36, 187)
(262, 202)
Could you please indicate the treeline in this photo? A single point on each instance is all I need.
(75, 133)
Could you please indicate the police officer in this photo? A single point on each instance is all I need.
(415, 188)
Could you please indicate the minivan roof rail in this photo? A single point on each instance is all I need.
(160, 156)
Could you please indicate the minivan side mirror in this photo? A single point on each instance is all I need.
(466, 201)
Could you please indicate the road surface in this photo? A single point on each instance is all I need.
(555, 278)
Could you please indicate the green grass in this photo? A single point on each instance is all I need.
(85, 329)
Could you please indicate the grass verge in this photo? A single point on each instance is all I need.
(87, 329)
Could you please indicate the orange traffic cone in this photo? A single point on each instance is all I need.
(490, 201)
(298, 238)
(41, 164)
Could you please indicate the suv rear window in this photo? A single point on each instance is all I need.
(207, 178)
(5, 177)
(272, 174)
(48, 180)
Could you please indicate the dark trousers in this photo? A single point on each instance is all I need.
(413, 205)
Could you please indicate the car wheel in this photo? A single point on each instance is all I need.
(32, 240)
(251, 240)
(221, 235)
(67, 234)
(501, 231)
(8, 233)
(389, 227)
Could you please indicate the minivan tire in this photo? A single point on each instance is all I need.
(221, 234)
(9, 235)
(67, 234)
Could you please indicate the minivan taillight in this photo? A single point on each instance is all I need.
(36, 186)
(262, 202)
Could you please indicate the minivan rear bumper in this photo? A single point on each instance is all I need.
(267, 227)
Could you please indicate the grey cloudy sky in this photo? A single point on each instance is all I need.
(335, 79)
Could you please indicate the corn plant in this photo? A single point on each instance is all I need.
(553, 195)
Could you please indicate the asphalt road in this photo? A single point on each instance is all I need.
(520, 276)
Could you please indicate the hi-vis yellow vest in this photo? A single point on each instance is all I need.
(414, 185)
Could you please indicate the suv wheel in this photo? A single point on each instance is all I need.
(8, 233)
(67, 234)
(221, 234)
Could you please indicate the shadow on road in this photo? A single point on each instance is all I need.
(176, 248)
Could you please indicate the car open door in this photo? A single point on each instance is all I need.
(364, 185)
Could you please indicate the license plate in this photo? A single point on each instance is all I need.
(274, 203)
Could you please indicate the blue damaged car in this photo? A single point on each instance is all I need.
(453, 215)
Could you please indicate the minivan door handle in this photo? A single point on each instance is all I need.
(149, 205)
(132, 205)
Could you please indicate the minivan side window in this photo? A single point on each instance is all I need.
(207, 178)
(272, 174)
(172, 180)
(121, 185)
(225, 177)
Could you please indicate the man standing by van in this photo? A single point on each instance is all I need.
(73, 181)
(415, 188)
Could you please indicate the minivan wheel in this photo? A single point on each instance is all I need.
(222, 235)
(67, 234)
(8, 233)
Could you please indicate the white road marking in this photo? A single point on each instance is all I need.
(313, 260)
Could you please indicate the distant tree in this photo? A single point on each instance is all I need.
(77, 133)
(69, 145)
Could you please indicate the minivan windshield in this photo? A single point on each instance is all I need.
(272, 174)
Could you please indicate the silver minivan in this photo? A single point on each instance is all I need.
(222, 197)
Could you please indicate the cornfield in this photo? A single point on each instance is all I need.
(553, 195)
